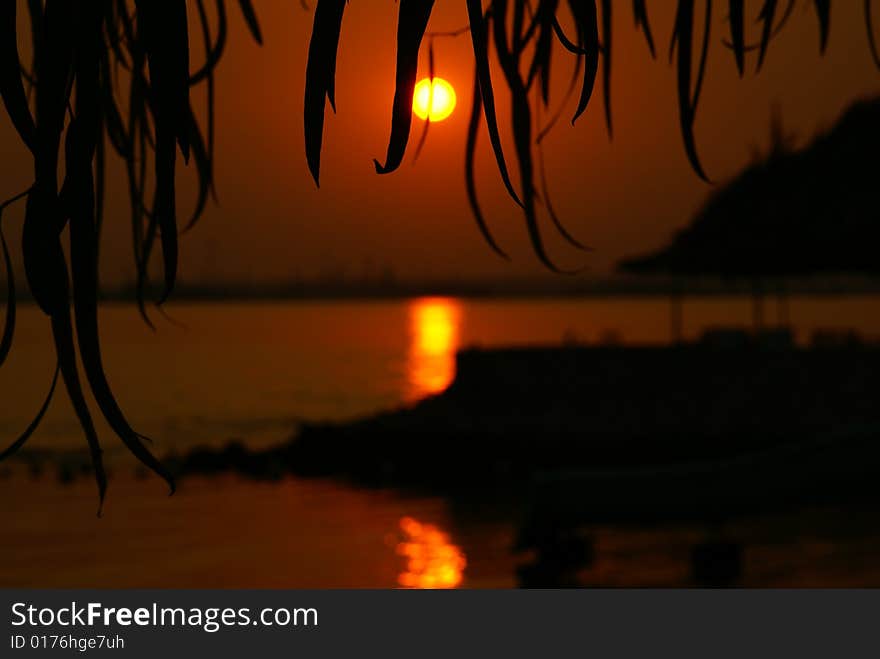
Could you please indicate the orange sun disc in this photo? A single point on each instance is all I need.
(433, 99)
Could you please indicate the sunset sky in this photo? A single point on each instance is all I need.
(621, 196)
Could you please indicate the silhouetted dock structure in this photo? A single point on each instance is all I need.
(624, 418)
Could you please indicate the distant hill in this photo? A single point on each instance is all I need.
(795, 212)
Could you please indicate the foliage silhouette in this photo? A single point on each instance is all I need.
(94, 51)
(84, 52)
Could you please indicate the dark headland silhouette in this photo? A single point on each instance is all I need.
(795, 213)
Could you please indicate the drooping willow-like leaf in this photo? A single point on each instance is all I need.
(11, 85)
(546, 195)
(470, 150)
(320, 77)
(823, 13)
(737, 18)
(544, 130)
(688, 94)
(770, 28)
(586, 19)
(606, 62)
(479, 29)
(166, 43)
(544, 21)
(510, 50)
(85, 51)
(431, 75)
(213, 50)
(411, 26)
(250, 17)
(767, 14)
(640, 12)
(10, 315)
(872, 41)
(35, 422)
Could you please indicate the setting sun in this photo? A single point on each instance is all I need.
(433, 99)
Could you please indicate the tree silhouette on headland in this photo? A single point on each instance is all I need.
(89, 52)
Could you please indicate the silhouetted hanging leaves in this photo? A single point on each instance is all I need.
(214, 50)
(640, 11)
(66, 352)
(769, 29)
(738, 33)
(412, 22)
(606, 62)
(44, 262)
(250, 18)
(113, 123)
(35, 423)
(11, 86)
(100, 166)
(10, 313)
(208, 180)
(545, 194)
(166, 41)
(35, 14)
(543, 22)
(768, 11)
(203, 158)
(538, 32)
(320, 77)
(682, 46)
(82, 136)
(509, 54)
(569, 92)
(470, 180)
(83, 45)
(480, 38)
(872, 42)
(427, 126)
(823, 12)
(587, 23)
(9, 320)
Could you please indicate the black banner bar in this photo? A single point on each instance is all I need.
(626, 623)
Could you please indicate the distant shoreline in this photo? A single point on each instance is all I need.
(562, 288)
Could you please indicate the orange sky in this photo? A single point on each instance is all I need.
(620, 197)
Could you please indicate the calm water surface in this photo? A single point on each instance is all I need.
(251, 372)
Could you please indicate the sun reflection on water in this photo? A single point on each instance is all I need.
(434, 340)
(432, 561)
